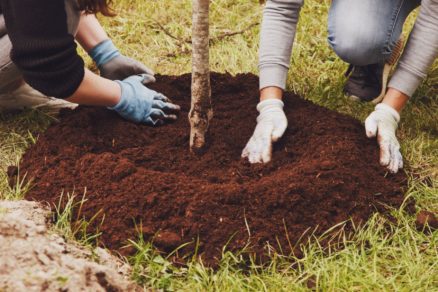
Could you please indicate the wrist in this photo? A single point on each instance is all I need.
(104, 52)
(96, 91)
(117, 100)
(271, 92)
(395, 99)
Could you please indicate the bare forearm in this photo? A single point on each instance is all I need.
(396, 99)
(90, 32)
(271, 92)
(97, 91)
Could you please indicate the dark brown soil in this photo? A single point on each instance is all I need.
(324, 171)
(426, 219)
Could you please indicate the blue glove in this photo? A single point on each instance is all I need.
(114, 66)
(143, 105)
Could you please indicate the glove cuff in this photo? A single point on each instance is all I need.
(104, 52)
(271, 103)
(122, 102)
(388, 109)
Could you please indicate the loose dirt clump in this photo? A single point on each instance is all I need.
(426, 219)
(145, 179)
(33, 258)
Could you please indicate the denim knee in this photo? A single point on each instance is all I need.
(358, 46)
(363, 32)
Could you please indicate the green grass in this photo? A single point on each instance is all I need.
(70, 222)
(16, 135)
(380, 256)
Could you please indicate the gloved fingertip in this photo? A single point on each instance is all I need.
(171, 117)
(140, 67)
(400, 164)
(254, 158)
(277, 134)
(266, 158)
(384, 161)
(149, 71)
(266, 154)
(161, 97)
(393, 165)
(148, 79)
(245, 153)
(370, 127)
(396, 158)
(140, 77)
(384, 157)
(170, 107)
(399, 160)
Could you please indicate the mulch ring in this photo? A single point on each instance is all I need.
(324, 171)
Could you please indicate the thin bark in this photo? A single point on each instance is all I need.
(201, 111)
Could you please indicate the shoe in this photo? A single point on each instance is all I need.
(27, 97)
(364, 82)
(369, 83)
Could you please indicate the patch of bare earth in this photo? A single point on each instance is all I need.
(33, 258)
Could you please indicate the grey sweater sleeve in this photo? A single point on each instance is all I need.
(420, 52)
(280, 18)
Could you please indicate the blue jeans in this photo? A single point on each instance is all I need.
(364, 32)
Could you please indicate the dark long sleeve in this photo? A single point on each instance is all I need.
(42, 48)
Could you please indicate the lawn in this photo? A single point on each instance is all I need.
(382, 255)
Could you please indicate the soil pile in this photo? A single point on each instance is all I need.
(324, 171)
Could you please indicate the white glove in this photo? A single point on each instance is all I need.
(271, 125)
(383, 122)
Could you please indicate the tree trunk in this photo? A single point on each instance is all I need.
(201, 111)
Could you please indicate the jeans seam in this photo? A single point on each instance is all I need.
(386, 47)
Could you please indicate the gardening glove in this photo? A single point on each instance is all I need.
(143, 105)
(114, 66)
(383, 122)
(271, 125)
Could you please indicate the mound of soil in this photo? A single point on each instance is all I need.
(324, 171)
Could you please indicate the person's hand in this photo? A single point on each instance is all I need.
(114, 66)
(383, 122)
(143, 105)
(271, 125)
